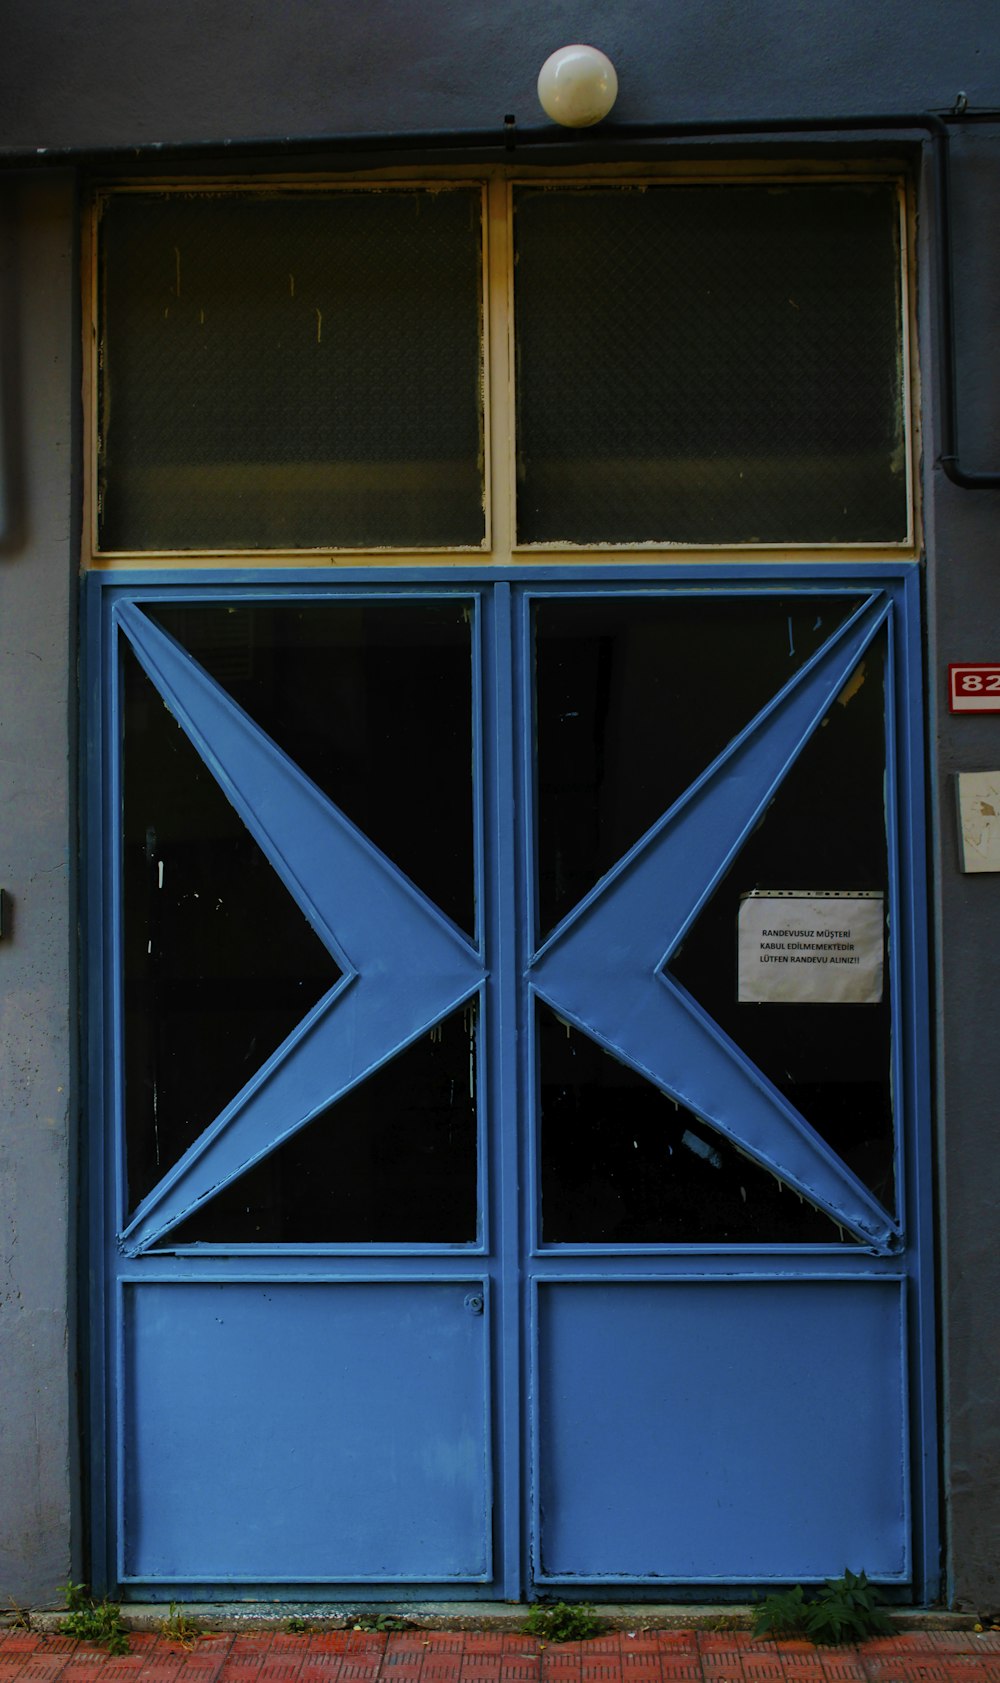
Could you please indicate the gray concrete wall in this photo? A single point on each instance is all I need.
(125, 72)
(961, 531)
(37, 955)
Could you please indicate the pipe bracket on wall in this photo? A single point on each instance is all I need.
(948, 456)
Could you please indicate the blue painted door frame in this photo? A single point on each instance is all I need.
(510, 1416)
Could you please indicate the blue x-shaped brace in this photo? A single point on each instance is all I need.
(405, 966)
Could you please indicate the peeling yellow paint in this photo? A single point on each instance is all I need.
(853, 684)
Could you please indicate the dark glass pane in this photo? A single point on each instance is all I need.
(709, 364)
(635, 696)
(373, 700)
(291, 370)
(622, 1164)
(824, 830)
(393, 1161)
(219, 962)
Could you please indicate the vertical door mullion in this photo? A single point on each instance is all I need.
(912, 1070)
(499, 737)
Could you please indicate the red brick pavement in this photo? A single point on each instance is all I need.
(415, 1656)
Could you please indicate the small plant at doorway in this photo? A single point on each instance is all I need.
(780, 1614)
(16, 1616)
(94, 1621)
(560, 1622)
(180, 1627)
(846, 1609)
(380, 1621)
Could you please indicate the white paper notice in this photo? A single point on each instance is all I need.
(801, 948)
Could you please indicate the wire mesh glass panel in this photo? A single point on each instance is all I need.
(324, 680)
(635, 696)
(291, 370)
(831, 1058)
(710, 364)
(220, 964)
(623, 1164)
(392, 1162)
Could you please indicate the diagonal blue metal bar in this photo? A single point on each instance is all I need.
(604, 966)
(405, 964)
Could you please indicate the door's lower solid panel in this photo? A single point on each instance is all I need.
(308, 1431)
(746, 1430)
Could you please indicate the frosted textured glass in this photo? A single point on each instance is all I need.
(291, 370)
(709, 364)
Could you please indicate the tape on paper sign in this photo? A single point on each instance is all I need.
(799, 947)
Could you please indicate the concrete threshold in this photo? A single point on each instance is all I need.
(630, 1617)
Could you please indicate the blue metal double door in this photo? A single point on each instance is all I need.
(513, 1065)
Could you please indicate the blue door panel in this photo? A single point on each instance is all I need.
(731, 1430)
(521, 1411)
(306, 1430)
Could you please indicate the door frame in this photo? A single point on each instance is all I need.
(510, 1161)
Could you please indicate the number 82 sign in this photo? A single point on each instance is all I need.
(974, 689)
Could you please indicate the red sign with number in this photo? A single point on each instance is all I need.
(974, 689)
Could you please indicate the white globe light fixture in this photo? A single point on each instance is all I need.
(577, 86)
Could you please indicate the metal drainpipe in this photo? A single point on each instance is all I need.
(612, 140)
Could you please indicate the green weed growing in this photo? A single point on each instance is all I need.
(563, 1623)
(94, 1621)
(846, 1609)
(181, 1627)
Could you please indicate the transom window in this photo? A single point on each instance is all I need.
(313, 368)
